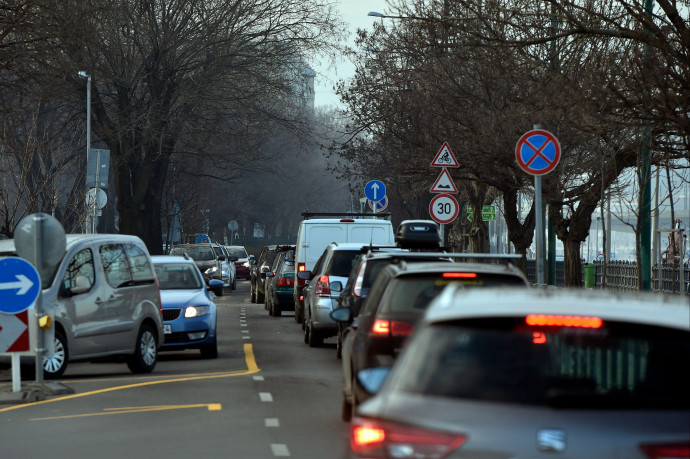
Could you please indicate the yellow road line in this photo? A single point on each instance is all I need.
(249, 359)
(143, 409)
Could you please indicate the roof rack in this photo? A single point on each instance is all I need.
(307, 215)
(470, 257)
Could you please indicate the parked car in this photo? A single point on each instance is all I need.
(535, 373)
(324, 285)
(259, 267)
(242, 262)
(397, 300)
(280, 280)
(104, 302)
(207, 258)
(189, 313)
(314, 235)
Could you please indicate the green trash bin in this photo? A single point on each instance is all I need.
(590, 275)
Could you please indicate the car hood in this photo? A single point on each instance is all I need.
(182, 298)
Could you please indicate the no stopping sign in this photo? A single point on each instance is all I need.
(443, 208)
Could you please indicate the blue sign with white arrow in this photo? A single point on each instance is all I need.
(375, 190)
(20, 285)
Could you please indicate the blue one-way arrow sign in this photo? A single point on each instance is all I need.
(375, 190)
(20, 285)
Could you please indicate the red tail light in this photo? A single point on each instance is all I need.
(285, 282)
(383, 327)
(322, 286)
(667, 451)
(546, 320)
(460, 275)
(372, 438)
(300, 267)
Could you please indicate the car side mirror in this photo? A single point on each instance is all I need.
(82, 284)
(304, 275)
(341, 314)
(269, 274)
(252, 260)
(336, 286)
(372, 379)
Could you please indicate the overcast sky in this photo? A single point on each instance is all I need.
(354, 13)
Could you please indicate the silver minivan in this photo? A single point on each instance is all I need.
(105, 303)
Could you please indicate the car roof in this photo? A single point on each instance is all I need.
(641, 308)
(350, 221)
(171, 259)
(430, 267)
(348, 245)
(7, 245)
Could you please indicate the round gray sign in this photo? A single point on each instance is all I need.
(40, 240)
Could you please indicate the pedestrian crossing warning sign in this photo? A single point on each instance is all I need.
(445, 157)
(444, 183)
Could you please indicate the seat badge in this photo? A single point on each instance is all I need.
(551, 440)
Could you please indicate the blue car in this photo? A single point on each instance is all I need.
(189, 313)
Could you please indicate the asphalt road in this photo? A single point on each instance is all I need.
(266, 395)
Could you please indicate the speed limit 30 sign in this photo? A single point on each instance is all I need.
(443, 208)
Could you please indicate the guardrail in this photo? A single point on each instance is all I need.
(622, 275)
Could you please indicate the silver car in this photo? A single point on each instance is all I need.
(104, 301)
(529, 373)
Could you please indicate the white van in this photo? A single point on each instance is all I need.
(315, 234)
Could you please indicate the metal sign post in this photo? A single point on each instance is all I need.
(537, 153)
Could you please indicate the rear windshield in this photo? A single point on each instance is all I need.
(343, 261)
(177, 276)
(414, 293)
(619, 366)
(196, 253)
(238, 252)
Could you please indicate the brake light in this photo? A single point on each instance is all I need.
(357, 289)
(667, 450)
(301, 267)
(373, 438)
(460, 275)
(547, 320)
(383, 327)
(285, 282)
(322, 286)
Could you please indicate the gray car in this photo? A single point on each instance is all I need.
(104, 301)
(568, 374)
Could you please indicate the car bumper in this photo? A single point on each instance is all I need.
(241, 272)
(188, 333)
(321, 319)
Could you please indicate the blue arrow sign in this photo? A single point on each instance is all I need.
(19, 285)
(375, 190)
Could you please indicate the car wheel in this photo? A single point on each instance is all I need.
(346, 410)
(274, 309)
(297, 314)
(145, 352)
(306, 332)
(252, 295)
(315, 339)
(54, 365)
(234, 283)
(219, 291)
(267, 305)
(210, 350)
(259, 296)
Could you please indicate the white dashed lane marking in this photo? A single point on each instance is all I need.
(272, 422)
(258, 378)
(280, 450)
(265, 396)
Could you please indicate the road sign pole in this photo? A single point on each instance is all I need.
(539, 229)
(38, 308)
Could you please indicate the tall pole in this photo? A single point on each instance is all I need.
(89, 226)
(645, 176)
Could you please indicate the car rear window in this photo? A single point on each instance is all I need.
(618, 366)
(196, 253)
(414, 293)
(238, 252)
(342, 262)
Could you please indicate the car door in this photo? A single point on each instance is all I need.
(82, 312)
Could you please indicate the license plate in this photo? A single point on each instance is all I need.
(167, 329)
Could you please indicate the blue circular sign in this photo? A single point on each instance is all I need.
(375, 190)
(538, 152)
(19, 285)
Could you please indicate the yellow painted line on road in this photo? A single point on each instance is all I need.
(249, 359)
(143, 409)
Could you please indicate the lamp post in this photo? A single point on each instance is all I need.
(88, 142)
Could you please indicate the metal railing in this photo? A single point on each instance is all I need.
(622, 275)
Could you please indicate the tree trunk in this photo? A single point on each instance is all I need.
(572, 263)
(520, 234)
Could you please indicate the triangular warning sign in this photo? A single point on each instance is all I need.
(444, 183)
(445, 157)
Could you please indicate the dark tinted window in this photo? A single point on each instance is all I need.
(504, 360)
(80, 265)
(139, 262)
(238, 252)
(178, 276)
(115, 265)
(270, 257)
(197, 253)
(342, 262)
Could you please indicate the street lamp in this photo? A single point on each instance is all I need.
(88, 138)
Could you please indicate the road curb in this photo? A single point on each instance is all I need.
(32, 392)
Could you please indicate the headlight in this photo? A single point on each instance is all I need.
(211, 270)
(246, 264)
(197, 311)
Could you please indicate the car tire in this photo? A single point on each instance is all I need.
(274, 310)
(346, 410)
(315, 339)
(339, 346)
(210, 350)
(54, 366)
(145, 352)
(306, 333)
(233, 286)
(252, 294)
(260, 297)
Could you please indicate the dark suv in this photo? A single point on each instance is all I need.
(208, 257)
(258, 268)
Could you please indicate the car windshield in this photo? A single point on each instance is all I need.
(343, 260)
(196, 253)
(618, 366)
(175, 276)
(238, 252)
(412, 293)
